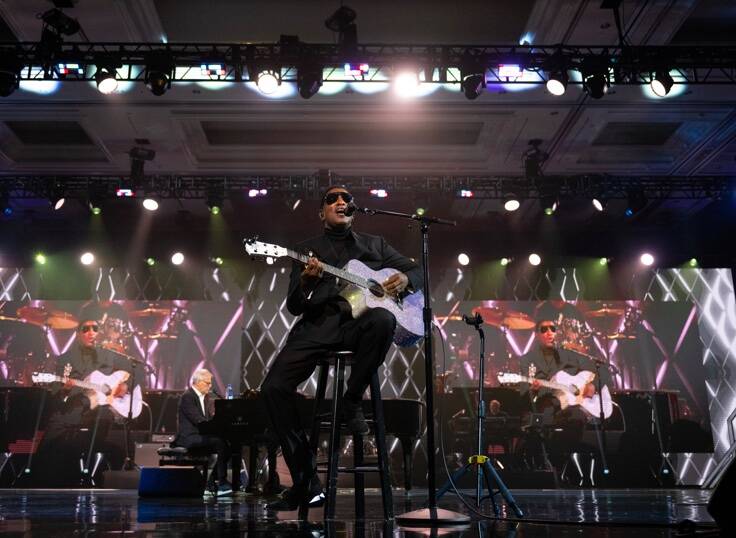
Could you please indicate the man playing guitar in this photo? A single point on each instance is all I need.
(78, 409)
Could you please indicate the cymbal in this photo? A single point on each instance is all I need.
(517, 320)
(619, 336)
(54, 319)
(149, 312)
(58, 319)
(163, 336)
(604, 312)
(32, 314)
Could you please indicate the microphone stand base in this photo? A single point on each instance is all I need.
(433, 517)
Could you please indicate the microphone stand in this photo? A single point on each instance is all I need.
(430, 516)
(129, 463)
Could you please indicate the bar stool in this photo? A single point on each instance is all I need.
(331, 422)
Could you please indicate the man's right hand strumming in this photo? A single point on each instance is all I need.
(535, 385)
(311, 274)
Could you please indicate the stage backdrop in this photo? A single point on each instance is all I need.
(235, 324)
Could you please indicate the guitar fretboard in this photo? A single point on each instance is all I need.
(339, 273)
(544, 383)
(79, 383)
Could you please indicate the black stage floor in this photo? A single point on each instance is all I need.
(591, 512)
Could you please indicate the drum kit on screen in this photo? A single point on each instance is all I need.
(24, 340)
(606, 322)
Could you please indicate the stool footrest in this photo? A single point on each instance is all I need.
(362, 469)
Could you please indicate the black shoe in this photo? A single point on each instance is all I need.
(352, 415)
(294, 497)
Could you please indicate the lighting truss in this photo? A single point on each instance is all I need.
(310, 186)
(629, 65)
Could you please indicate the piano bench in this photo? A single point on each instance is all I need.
(181, 456)
(339, 360)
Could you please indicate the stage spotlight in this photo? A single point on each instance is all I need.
(356, 70)
(217, 260)
(150, 204)
(157, 80)
(379, 193)
(662, 83)
(599, 203)
(57, 202)
(150, 262)
(535, 259)
(406, 83)
(557, 83)
(87, 258)
(505, 261)
(693, 262)
(603, 261)
(267, 82)
(646, 259)
(463, 259)
(309, 80)
(215, 197)
(61, 22)
(420, 211)
(40, 258)
(472, 85)
(549, 204)
(177, 258)
(511, 203)
(635, 202)
(466, 193)
(214, 70)
(255, 193)
(105, 79)
(595, 77)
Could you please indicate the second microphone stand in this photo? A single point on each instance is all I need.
(485, 470)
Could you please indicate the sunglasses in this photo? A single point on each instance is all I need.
(88, 328)
(331, 197)
(544, 328)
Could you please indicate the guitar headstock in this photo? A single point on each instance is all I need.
(258, 248)
(42, 378)
(508, 379)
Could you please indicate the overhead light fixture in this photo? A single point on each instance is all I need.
(158, 75)
(150, 262)
(309, 80)
(150, 204)
(5, 203)
(636, 201)
(212, 70)
(406, 83)
(535, 259)
(557, 82)
(342, 21)
(267, 82)
(56, 194)
(511, 202)
(106, 80)
(472, 78)
(466, 193)
(379, 193)
(215, 196)
(217, 260)
(646, 259)
(463, 259)
(62, 23)
(40, 258)
(662, 83)
(510, 71)
(599, 203)
(595, 76)
(693, 262)
(255, 193)
(66, 69)
(177, 258)
(87, 258)
(505, 261)
(356, 69)
(603, 261)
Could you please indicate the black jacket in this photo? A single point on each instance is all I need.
(324, 310)
(190, 414)
(81, 363)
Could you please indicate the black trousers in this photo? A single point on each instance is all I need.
(369, 337)
(213, 444)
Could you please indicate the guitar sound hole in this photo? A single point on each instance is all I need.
(376, 289)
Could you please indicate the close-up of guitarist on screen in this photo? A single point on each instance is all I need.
(563, 383)
(328, 322)
(92, 386)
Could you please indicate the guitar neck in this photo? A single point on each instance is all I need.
(340, 273)
(79, 383)
(544, 383)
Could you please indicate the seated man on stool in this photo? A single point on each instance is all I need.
(197, 405)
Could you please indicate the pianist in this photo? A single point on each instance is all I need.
(197, 405)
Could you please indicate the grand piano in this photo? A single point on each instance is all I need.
(243, 421)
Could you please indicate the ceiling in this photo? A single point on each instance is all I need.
(196, 129)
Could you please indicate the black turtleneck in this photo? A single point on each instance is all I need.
(341, 242)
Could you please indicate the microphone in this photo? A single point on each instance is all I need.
(350, 209)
